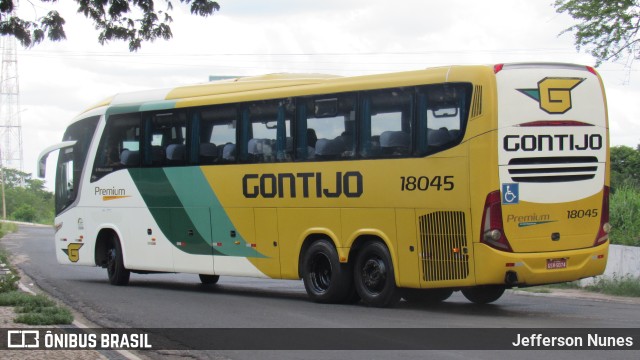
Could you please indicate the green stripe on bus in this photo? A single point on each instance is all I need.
(184, 206)
(195, 192)
(168, 212)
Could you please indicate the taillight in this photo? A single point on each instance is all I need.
(605, 227)
(497, 68)
(492, 231)
(554, 123)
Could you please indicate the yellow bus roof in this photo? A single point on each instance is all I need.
(273, 86)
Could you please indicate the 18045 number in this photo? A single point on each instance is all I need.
(579, 214)
(423, 183)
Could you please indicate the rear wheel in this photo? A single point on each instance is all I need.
(325, 278)
(209, 279)
(483, 294)
(426, 296)
(118, 274)
(374, 277)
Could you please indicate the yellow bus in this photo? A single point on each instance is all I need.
(370, 188)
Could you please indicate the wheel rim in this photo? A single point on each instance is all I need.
(374, 275)
(320, 273)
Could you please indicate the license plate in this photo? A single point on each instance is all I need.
(556, 264)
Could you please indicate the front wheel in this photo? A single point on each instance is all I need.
(325, 278)
(483, 294)
(374, 276)
(118, 274)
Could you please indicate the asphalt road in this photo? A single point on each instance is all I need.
(180, 301)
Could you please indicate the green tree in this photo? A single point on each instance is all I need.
(625, 166)
(608, 29)
(133, 21)
(26, 199)
(25, 213)
(625, 195)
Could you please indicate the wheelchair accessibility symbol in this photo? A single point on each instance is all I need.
(510, 193)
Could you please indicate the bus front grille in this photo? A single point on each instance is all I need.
(553, 169)
(443, 246)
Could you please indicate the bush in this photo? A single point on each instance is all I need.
(625, 216)
(8, 282)
(8, 276)
(25, 213)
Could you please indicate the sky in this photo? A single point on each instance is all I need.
(58, 80)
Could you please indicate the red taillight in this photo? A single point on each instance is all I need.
(497, 68)
(592, 70)
(492, 230)
(554, 123)
(605, 227)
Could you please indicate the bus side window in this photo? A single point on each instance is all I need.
(217, 133)
(386, 123)
(166, 139)
(442, 116)
(119, 146)
(269, 126)
(330, 127)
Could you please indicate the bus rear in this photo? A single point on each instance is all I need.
(549, 219)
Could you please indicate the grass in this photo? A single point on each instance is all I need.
(618, 286)
(625, 286)
(7, 227)
(35, 309)
(31, 309)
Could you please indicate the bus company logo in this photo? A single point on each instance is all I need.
(553, 94)
(289, 185)
(73, 251)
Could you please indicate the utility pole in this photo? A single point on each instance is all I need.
(10, 124)
(10, 105)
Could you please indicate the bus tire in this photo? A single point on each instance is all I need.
(209, 279)
(374, 276)
(483, 294)
(118, 274)
(426, 296)
(325, 278)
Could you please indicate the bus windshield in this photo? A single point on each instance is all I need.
(71, 161)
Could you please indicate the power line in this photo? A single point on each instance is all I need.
(68, 53)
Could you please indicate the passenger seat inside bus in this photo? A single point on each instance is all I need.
(208, 153)
(130, 158)
(255, 150)
(157, 155)
(330, 149)
(229, 152)
(395, 143)
(175, 154)
(438, 137)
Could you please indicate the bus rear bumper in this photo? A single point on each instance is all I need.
(519, 269)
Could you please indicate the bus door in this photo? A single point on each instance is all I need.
(182, 213)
